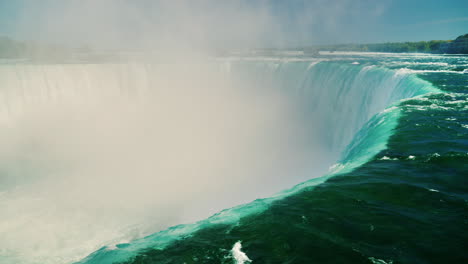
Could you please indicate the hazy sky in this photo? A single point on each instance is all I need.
(269, 22)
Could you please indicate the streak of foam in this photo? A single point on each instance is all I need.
(388, 158)
(312, 64)
(406, 70)
(423, 63)
(379, 261)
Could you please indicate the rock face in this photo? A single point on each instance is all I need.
(458, 46)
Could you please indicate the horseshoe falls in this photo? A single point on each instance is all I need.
(332, 158)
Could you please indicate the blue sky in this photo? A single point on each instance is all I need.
(296, 22)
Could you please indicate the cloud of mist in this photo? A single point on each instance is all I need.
(95, 153)
(196, 25)
(157, 25)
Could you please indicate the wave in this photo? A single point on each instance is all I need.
(424, 63)
(432, 71)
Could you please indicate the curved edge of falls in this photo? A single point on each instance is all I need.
(369, 140)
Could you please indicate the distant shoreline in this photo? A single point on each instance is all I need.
(457, 46)
(13, 49)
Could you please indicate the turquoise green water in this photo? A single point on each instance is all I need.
(393, 128)
(397, 195)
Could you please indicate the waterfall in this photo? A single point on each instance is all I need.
(100, 154)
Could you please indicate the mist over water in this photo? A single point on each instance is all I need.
(99, 153)
(95, 154)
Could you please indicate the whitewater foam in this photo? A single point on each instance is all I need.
(388, 158)
(239, 256)
(430, 71)
(423, 63)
